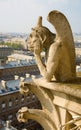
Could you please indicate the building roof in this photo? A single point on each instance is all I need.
(7, 87)
(19, 60)
(20, 63)
(5, 128)
(20, 56)
(11, 86)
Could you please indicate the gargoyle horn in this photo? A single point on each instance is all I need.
(39, 22)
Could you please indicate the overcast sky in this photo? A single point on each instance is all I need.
(21, 15)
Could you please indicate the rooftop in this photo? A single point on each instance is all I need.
(20, 56)
(11, 86)
(19, 63)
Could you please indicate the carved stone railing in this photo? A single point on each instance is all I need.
(61, 104)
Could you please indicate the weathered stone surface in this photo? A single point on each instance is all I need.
(59, 90)
(59, 48)
(61, 108)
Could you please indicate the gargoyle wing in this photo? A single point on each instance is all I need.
(64, 34)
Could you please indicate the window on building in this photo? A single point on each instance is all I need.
(4, 118)
(22, 125)
(10, 103)
(16, 114)
(3, 105)
(16, 125)
(22, 98)
(16, 101)
(10, 117)
(33, 97)
(28, 98)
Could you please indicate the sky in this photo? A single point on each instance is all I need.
(21, 15)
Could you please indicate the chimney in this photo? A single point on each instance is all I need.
(3, 83)
(16, 77)
(18, 61)
(27, 75)
(8, 124)
(33, 76)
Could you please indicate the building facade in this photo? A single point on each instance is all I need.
(10, 98)
(11, 101)
(4, 52)
(7, 73)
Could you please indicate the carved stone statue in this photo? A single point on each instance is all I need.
(60, 99)
(59, 48)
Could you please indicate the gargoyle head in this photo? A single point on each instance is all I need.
(22, 114)
(40, 37)
(23, 88)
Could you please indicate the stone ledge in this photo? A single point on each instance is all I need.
(73, 89)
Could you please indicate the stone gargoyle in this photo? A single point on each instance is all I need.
(60, 102)
(59, 48)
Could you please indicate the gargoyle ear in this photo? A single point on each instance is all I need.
(42, 39)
